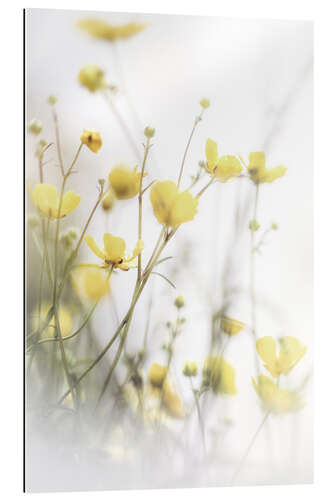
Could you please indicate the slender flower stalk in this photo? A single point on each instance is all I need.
(196, 395)
(140, 204)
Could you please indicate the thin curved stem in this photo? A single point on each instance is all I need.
(196, 121)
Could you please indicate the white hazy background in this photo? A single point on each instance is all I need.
(258, 76)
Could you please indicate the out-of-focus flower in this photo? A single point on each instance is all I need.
(45, 198)
(92, 77)
(231, 326)
(225, 168)
(109, 201)
(35, 126)
(52, 99)
(91, 283)
(205, 103)
(171, 207)
(157, 374)
(113, 253)
(102, 29)
(68, 238)
(254, 225)
(291, 351)
(33, 221)
(92, 139)
(274, 399)
(125, 181)
(258, 171)
(179, 302)
(65, 320)
(170, 400)
(274, 226)
(219, 375)
(190, 369)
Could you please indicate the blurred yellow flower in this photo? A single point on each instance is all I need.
(91, 283)
(205, 103)
(170, 400)
(35, 126)
(102, 29)
(219, 375)
(92, 139)
(179, 302)
(157, 374)
(190, 369)
(274, 399)
(225, 168)
(45, 198)
(291, 351)
(258, 171)
(92, 77)
(65, 320)
(108, 200)
(231, 326)
(171, 207)
(125, 181)
(113, 253)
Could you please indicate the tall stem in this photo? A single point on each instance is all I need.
(252, 276)
(201, 424)
(140, 205)
(196, 121)
(246, 454)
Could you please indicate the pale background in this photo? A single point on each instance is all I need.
(258, 76)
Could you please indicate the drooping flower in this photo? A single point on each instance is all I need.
(92, 139)
(275, 399)
(219, 375)
(92, 77)
(102, 29)
(125, 181)
(108, 201)
(91, 283)
(225, 168)
(45, 198)
(231, 326)
(170, 206)
(291, 351)
(113, 253)
(65, 320)
(258, 171)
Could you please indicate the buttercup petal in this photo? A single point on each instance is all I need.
(114, 247)
(211, 154)
(266, 348)
(94, 247)
(69, 202)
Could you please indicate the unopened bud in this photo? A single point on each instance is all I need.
(254, 225)
(179, 302)
(149, 132)
(205, 103)
(35, 126)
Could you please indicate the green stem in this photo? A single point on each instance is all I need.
(140, 205)
(201, 424)
(196, 121)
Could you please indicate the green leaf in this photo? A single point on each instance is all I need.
(166, 279)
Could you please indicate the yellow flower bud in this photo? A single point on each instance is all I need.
(35, 126)
(205, 103)
(149, 132)
(179, 302)
(254, 225)
(92, 139)
(108, 201)
(92, 77)
(52, 99)
(190, 369)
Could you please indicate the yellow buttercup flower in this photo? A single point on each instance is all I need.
(45, 198)
(113, 253)
(291, 351)
(219, 375)
(225, 168)
(171, 207)
(258, 171)
(170, 400)
(125, 181)
(65, 320)
(231, 326)
(274, 399)
(92, 139)
(91, 283)
(92, 77)
(157, 374)
(102, 29)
